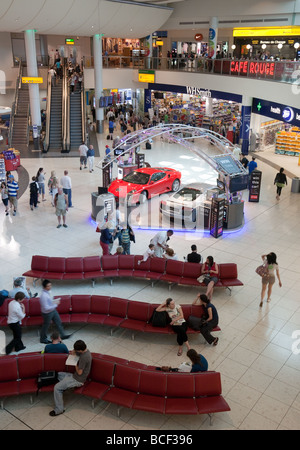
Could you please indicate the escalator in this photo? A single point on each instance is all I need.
(18, 136)
(77, 117)
(65, 116)
(55, 131)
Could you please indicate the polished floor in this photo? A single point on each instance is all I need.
(259, 365)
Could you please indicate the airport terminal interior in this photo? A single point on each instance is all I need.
(258, 349)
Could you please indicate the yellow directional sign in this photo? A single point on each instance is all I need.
(32, 80)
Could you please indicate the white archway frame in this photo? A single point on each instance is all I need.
(183, 135)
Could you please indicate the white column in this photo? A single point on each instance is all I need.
(32, 71)
(213, 37)
(97, 45)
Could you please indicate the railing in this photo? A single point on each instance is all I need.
(42, 60)
(48, 113)
(281, 71)
(83, 110)
(66, 110)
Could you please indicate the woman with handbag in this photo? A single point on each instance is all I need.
(210, 270)
(270, 262)
(177, 323)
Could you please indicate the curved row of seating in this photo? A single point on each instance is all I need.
(103, 310)
(114, 266)
(125, 383)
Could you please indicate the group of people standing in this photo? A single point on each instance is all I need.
(60, 191)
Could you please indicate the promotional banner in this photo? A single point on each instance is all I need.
(245, 128)
(212, 38)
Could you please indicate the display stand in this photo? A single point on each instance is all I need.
(102, 204)
(2, 170)
(106, 174)
(216, 217)
(125, 169)
(254, 186)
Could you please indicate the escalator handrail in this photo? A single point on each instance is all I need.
(48, 113)
(83, 110)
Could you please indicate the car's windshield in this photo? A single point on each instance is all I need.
(188, 193)
(137, 178)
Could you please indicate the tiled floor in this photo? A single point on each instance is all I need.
(260, 374)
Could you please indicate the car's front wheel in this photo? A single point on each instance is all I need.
(176, 185)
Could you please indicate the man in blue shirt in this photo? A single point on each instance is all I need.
(252, 165)
(49, 313)
(13, 188)
(90, 157)
(57, 346)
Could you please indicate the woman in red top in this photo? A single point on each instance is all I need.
(211, 271)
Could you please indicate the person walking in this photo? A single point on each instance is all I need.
(12, 188)
(126, 233)
(252, 165)
(53, 186)
(49, 313)
(40, 178)
(83, 155)
(270, 261)
(211, 318)
(106, 238)
(177, 323)
(280, 181)
(72, 380)
(34, 192)
(4, 197)
(61, 207)
(91, 158)
(66, 184)
(16, 312)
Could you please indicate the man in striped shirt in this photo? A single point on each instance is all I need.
(13, 187)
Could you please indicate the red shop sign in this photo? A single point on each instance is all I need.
(252, 67)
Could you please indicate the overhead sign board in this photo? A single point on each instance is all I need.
(276, 111)
(69, 41)
(147, 76)
(32, 80)
(266, 31)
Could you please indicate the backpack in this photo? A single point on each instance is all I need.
(160, 319)
(46, 379)
(3, 296)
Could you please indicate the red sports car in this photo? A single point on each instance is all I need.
(142, 184)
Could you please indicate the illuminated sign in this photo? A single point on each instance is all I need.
(147, 76)
(198, 37)
(266, 31)
(160, 43)
(32, 80)
(252, 68)
(69, 41)
(276, 111)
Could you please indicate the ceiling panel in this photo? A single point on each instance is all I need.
(81, 17)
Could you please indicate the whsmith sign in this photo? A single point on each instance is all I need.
(195, 90)
(276, 111)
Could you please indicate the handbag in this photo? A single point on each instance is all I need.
(195, 322)
(185, 367)
(160, 319)
(262, 271)
(46, 379)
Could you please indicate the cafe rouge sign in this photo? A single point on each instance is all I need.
(245, 67)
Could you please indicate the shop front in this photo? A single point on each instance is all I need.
(276, 128)
(214, 110)
(275, 43)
